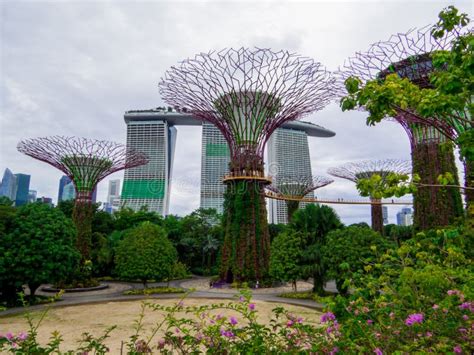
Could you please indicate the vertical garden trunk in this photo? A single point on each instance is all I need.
(435, 206)
(246, 248)
(377, 215)
(82, 217)
(291, 207)
(469, 194)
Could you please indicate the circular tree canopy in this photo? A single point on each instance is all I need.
(298, 186)
(247, 93)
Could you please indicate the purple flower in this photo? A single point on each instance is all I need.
(378, 351)
(414, 318)
(467, 305)
(452, 292)
(435, 307)
(233, 320)
(327, 317)
(289, 323)
(227, 333)
(252, 306)
(370, 321)
(299, 320)
(22, 336)
(457, 349)
(9, 336)
(241, 298)
(334, 350)
(465, 317)
(219, 317)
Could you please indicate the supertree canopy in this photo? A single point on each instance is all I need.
(85, 162)
(409, 56)
(247, 94)
(365, 170)
(297, 186)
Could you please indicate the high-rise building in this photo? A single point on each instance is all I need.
(68, 192)
(8, 185)
(22, 189)
(62, 182)
(385, 214)
(113, 195)
(215, 159)
(405, 217)
(32, 196)
(153, 133)
(288, 155)
(46, 200)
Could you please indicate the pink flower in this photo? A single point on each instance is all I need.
(241, 298)
(252, 306)
(392, 315)
(435, 307)
(414, 318)
(452, 292)
(289, 323)
(334, 350)
(457, 349)
(22, 336)
(299, 320)
(378, 351)
(9, 336)
(429, 334)
(233, 320)
(467, 305)
(370, 321)
(465, 317)
(219, 317)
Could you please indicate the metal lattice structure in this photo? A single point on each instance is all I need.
(84, 161)
(409, 56)
(365, 170)
(247, 94)
(298, 186)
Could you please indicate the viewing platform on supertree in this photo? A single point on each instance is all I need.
(409, 55)
(247, 94)
(365, 170)
(86, 162)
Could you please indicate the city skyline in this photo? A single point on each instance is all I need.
(94, 83)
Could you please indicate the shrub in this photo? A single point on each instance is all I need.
(285, 257)
(145, 253)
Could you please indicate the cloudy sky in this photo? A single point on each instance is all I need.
(75, 67)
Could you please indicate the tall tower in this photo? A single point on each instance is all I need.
(8, 185)
(22, 190)
(288, 154)
(214, 165)
(62, 183)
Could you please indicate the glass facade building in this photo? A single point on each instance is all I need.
(22, 189)
(8, 185)
(62, 183)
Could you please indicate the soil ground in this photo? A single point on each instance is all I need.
(72, 321)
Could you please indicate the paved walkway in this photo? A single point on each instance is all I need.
(114, 293)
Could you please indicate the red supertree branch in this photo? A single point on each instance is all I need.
(367, 168)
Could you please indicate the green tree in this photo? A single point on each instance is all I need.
(39, 249)
(127, 218)
(314, 222)
(285, 257)
(145, 253)
(348, 250)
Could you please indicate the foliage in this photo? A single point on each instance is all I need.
(145, 253)
(347, 251)
(127, 218)
(39, 249)
(286, 251)
(180, 271)
(153, 291)
(399, 234)
(314, 222)
(391, 185)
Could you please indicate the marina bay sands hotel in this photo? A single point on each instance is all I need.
(154, 133)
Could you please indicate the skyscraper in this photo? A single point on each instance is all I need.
(153, 133)
(405, 217)
(32, 196)
(23, 187)
(62, 182)
(68, 192)
(288, 154)
(8, 185)
(385, 214)
(113, 196)
(214, 165)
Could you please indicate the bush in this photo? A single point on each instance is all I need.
(39, 249)
(285, 257)
(348, 251)
(180, 271)
(145, 253)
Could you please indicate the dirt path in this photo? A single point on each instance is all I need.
(72, 321)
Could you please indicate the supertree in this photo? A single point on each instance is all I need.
(409, 56)
(85, 162)
(247, 94)
(365, 170)
(297, 186)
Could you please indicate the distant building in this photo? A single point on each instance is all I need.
(22, 189)
(46, 200)
(113, 195)
(32, 196)
(385, 214)
(8, 185)
(62, 182)
(405, 217)
(68, 192)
